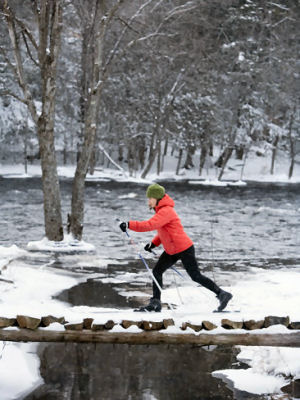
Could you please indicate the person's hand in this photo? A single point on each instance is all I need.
(123, 226)
(149, 247)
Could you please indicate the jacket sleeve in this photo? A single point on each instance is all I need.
(161, 218)
(156, 241)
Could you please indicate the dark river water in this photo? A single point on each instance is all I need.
(232, 227)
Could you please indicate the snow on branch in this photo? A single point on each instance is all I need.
(110, 159)
(279, 6)
(117, 44)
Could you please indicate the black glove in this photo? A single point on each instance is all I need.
(149, 247)
(123, 226)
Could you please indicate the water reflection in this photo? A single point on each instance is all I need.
(105, 371)
(95, 294)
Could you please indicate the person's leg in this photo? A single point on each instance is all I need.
(191, 266)
(164, 262)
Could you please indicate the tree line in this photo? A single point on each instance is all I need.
(135, 81)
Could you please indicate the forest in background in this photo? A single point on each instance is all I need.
(185, 76)
(132, 81)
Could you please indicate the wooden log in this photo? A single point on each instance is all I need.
(152, 337)
(152, 325)
(24, 321)
(74, 327)
(87, 323)
(127, 324)
(109, 324)
(294, 325)
(50, 319)
(196, 328)
(252, 324)
(228, 324)
(98, 327)
(6, 322)
(273, 320)
(208, 326)
(168, 322)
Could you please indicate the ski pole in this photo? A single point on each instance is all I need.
(174, 270)
(147, 267)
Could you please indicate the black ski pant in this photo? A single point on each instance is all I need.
(191, 266)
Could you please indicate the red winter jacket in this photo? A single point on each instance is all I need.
(168, 225)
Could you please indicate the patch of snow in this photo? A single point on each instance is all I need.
(270, 369)
(22, 355)
(69, 244)
(128, 196)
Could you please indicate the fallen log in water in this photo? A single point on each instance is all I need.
(151, 337)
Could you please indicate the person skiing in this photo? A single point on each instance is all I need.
(177, 246)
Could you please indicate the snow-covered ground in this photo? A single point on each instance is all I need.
(24, 287)
(33, 289)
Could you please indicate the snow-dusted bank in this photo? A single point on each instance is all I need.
(27, 288)
(257, 168)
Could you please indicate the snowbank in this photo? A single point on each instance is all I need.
(270, 369)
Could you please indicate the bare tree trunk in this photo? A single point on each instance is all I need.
(203, 155)
(189, 157)
(153, 150)
(158, 170)
(49, 18)
(101, 20)
(149, 165)
(274, 152)
(227, 154)
(179, 161)
(292, 144)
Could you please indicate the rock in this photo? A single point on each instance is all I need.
(98, 327)
(195, 328)
(109, 324)
(273, 320)
(168, 322)
(87, 323)
(126, 323)
(27, 322)
(74, 327)
(252, 324)
(209, 326)
(228, 324)
(294, 325)
(292, 388)
(101, 327)
(152, 326)
(49, 319)
(5, 322)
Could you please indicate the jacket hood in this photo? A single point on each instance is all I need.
(165, 201)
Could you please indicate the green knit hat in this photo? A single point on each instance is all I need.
(155, 191)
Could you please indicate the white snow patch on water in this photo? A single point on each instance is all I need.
(69, 244)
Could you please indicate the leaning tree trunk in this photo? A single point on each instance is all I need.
(75, 219)
(227, 154)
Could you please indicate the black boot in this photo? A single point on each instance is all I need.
(154, 305)
(224, 298)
